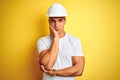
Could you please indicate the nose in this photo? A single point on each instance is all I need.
(56, 24)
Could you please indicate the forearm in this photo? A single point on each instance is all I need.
(70, 71)
(75, 70)
(50, 56)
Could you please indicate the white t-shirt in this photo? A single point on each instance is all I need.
(68, 46)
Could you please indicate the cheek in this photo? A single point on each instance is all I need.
(62, 25)
(51, 24)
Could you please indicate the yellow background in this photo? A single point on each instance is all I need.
(95, 22)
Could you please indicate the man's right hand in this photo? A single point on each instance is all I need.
(54, 33)
(50, 72)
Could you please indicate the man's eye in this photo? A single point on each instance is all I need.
(60, 20)
(52, 21)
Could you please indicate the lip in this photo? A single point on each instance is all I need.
(56, 29)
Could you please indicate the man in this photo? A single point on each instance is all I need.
(60, 54)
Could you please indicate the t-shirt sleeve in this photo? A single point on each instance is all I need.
(77, 48)
(41, 45)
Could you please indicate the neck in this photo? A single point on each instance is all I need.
(61, 35)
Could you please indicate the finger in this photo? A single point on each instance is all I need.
(50, 73)
(52, 28)
(53, 31)
(42, 67)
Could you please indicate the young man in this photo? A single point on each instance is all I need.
(60, 54)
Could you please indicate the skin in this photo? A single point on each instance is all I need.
(48, 57)
(57, 25)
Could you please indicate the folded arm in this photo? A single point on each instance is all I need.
(48, 57)
(75, 70)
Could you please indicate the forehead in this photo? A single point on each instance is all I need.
(56, 18)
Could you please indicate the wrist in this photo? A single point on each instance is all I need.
(54, 72)
(56, 38)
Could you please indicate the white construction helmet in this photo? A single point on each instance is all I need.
(56, 10)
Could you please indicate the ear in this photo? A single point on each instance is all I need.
(65, 21)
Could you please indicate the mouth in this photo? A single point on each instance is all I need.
(56, 29)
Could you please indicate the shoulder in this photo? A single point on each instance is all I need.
(45, 38)
(72, 37)
(73, 40)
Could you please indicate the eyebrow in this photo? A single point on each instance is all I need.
(57, 19)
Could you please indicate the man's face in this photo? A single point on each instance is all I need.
(57, 23)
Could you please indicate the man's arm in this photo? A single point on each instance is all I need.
(75, 70)
(48, 57)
